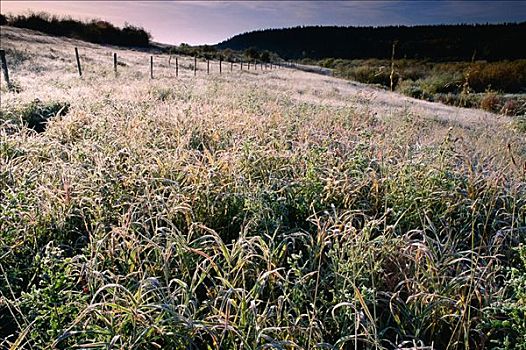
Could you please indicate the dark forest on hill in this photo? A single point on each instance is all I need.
(437, 42)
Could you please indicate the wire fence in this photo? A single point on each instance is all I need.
(220, 66)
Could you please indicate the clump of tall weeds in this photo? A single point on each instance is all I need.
(35, 114)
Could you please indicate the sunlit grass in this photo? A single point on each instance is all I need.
(251, 210)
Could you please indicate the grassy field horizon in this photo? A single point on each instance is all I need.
(249, 209)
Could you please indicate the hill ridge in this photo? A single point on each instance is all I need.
(439, 42)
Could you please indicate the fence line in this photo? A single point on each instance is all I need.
(4, 69)
(115, 63)
(151, 67)
(278, 65)
(78, 62)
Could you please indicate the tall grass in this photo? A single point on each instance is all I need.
(444, 81)
(239, 212)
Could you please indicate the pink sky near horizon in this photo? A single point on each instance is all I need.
(209, 22)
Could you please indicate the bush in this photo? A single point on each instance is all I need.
(490, 102)
(520, 123)
(410, 88)
(95, 31)
(502, 76)
(451, 83)
(370, 75)
(510, 107)
(36, 114)
(440, 83)
(510, 320)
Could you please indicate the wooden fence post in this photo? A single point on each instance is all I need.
(115, 63)
(391, 76)
(248, 63)
(241, 65)
(231, 66)
(78, 62)
(195, 65)
(255, 65)
(207, 66)
(4, 69)
(220, 61)
(176, 67)
(151, 67)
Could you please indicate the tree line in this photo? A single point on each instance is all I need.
(213, 53)
(438, 42)
(95, 31)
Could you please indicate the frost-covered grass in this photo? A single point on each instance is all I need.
(250, 210)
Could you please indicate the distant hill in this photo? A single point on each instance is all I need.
(438, 42)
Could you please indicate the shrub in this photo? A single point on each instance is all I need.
(16, 57)
(520, 123)
(510, 316)
(510, 107)
(35, 114)
(440, 83)
(373, 75)
(95, 31)
(410, 88)
(501, 76)
(454, 83)
(448, 99)
(490, 102)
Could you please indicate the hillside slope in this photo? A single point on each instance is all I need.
(34, 57)
(248, 210)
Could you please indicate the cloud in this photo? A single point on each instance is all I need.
(199, 22)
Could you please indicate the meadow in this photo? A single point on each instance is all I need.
(498, 87)
(250, 210)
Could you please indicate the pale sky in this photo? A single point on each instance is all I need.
(209, 22)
